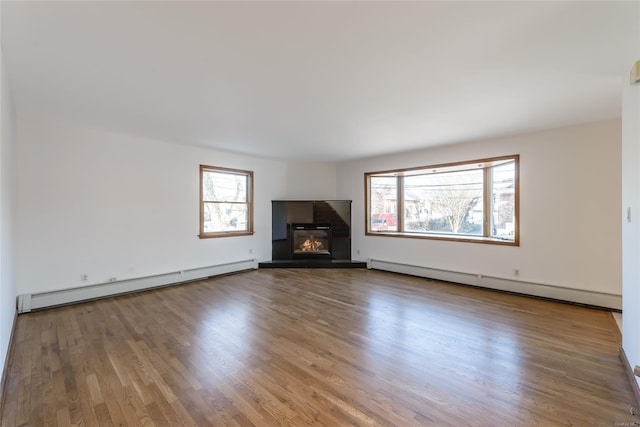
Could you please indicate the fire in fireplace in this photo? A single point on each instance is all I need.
(311, 240)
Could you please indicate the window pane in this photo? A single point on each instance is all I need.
(476, 198)
(383, 195)
(225, 217)
(444, 203)
(416, 203)
(224, 187)
(503, 201)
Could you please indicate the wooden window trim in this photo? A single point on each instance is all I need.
(250, 185)
(486, 238)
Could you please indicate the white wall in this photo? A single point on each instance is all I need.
(310, 181)
(631, 200)
(569, 215)
(7, 284)
(631, 229)
(109, 205)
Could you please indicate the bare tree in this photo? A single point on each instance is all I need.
(453, 196)
(455, 204)
(218, 191)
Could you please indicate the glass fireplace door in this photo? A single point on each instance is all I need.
(309, 240)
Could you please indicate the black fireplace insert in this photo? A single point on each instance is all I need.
(311, 240)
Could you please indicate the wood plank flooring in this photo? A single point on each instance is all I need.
(278, 347)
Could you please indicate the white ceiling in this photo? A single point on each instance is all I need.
(324, 81)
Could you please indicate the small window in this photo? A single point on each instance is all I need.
(226, 202)
(474, 201)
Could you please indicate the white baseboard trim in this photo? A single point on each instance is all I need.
(580, 296)
(28, 302)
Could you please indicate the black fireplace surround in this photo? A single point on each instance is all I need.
(311, 233)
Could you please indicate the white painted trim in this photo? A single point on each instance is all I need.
(581, 296)
(28, 302)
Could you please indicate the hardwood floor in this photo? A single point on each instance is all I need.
(317, 347)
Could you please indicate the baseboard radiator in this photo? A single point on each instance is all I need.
(597, 299)
(28, 302)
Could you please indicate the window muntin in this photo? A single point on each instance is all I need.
(226, 198)
(469, 201)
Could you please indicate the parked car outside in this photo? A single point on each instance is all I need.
(384, 221)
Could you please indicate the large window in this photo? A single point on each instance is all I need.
(473, 201)
(226, 202)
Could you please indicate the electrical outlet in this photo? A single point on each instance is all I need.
(516, 272)
(250, 251)
(84, 277)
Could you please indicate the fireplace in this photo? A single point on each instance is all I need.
(311, 234)
(311, 240)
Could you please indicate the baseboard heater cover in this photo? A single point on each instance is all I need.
(593, 298)
(28, 302)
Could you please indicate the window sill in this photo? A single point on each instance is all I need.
(225, 234)
(447, 237)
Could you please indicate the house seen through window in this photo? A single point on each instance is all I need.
(472, 201)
